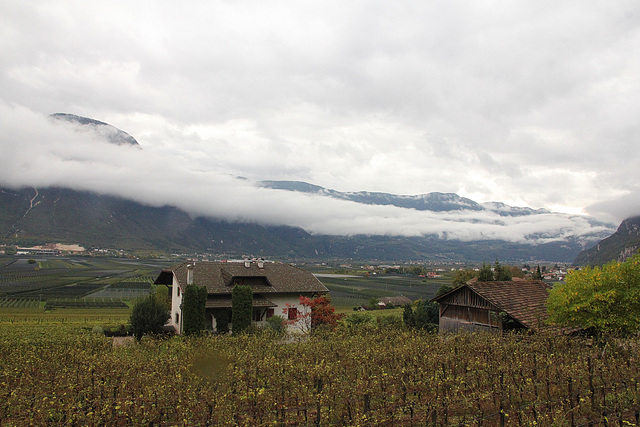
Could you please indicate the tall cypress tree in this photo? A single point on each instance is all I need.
(241, 308)
(194, 303)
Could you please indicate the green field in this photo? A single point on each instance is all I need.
(358, 290)
(82, 283)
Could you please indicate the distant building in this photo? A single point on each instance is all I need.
(394, 301)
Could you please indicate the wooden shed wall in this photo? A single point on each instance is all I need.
(466, 310)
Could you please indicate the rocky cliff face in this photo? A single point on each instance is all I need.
(618, 247)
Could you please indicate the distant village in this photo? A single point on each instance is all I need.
(425, 269)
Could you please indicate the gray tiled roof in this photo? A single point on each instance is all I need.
(219, 277)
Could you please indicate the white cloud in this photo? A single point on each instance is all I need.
(42, 152)
(528, 103)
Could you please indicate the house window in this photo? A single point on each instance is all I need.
(293, 313)
(178, 287)
(257, 315)
(270, 312)
(177, 318)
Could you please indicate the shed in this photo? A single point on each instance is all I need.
(494, 306)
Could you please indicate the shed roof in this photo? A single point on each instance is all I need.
(524, 300)
(267, 277)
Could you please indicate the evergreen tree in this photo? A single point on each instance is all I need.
(538, 274)
(241, 308)
(194, 302)
(408, 317)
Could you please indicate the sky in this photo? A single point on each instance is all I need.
(529, 103)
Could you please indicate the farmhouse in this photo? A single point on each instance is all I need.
(494, 306)
(276, 290)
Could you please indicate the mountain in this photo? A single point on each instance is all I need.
(620, 245)
(436, 202)
(58, 215)
(105, 130)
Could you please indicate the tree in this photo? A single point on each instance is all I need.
(148, 316)
(322, 312)
(318, 311)
(241, 308)
(373, 304)
(194, 301)
(502, 273)
(485, 274)
(461, 277)
(443, 289)
(427, 315)
(408, 317)
(605, 299)
(538, 274)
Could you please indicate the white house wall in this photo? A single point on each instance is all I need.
(304, 324)
(176, 302)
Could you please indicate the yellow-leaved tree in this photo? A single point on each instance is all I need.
(605, 299)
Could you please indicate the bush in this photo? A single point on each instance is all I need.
(358, 319)
(148, 316)
(276, 324)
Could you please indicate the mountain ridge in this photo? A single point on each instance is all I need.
(617, 247)
(433, 201)
(104, 130)
(61, 215)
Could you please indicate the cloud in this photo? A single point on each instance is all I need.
(41, 152)
(527, 103)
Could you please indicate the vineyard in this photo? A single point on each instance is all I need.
(55, 374)
(59, 283)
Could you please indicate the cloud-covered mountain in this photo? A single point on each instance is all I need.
(102, 129)
(434, 202)
(41, 154)
(36, 216)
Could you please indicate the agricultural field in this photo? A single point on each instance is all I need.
(85, 283)
(64, 374)
(51, 283)
(351, 291)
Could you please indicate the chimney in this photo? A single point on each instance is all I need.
(260, 263)
(190, 274)
(247, 263)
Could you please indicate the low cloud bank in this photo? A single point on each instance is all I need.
(40, 152)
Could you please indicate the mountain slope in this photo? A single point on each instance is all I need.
(104, 130)
(623, 243)
(55, 215)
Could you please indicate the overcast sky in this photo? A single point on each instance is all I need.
(530, 103)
